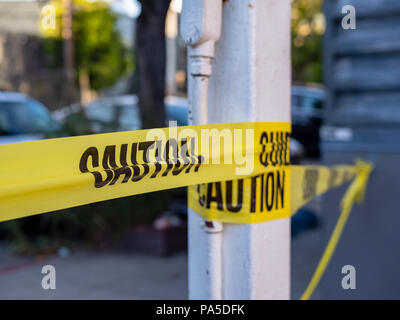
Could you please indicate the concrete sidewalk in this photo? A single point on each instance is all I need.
(118, 275)
(91, 275)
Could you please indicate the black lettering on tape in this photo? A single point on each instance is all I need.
(262, 193)
(239, 192)
(145, 147)
(89, 152)
(98, 178)
(137, 176)
(156, 170)
(134, 153)
(126, 171)
(184, 155)
(264, 154)
(218, 195)
(269, 190)
(123, 155)
(273, 151)
(280, 189)
(109, 157)
(253, 194)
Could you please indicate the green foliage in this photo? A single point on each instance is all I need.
(308, 26)
(99, 48)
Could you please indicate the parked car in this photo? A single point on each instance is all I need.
(307, 117)
(120, 113)
(23, 119)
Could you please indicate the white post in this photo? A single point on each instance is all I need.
(250, 81)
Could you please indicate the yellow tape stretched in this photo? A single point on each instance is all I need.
(265, 196)
(48, 175)
(237, 172)
(355, 193)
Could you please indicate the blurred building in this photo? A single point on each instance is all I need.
(18, 25)
(362, 65)
(23, 65)
(19, 17)
(362, 78)
(22, 59)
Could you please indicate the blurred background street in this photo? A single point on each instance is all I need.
(96, 275)
(74, 67)
(122, 275)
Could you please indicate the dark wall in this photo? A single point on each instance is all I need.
(362, 74)
(362, 66)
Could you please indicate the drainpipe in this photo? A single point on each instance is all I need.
(201, 29)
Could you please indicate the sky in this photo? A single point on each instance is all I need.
(128, 7)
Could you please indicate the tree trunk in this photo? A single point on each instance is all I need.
(151, 61)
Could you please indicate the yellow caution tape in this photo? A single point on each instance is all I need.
(275, 194)
(48, 175)
(355, 193)
(260, 198)
(237, 172)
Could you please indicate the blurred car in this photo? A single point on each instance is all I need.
(120, 113)
(23, 119)
(307, 117)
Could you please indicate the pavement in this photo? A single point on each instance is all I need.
(122, 275)
(95, 275)
(306, 253)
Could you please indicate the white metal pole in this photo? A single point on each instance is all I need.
(250, 82)
(201, 29)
